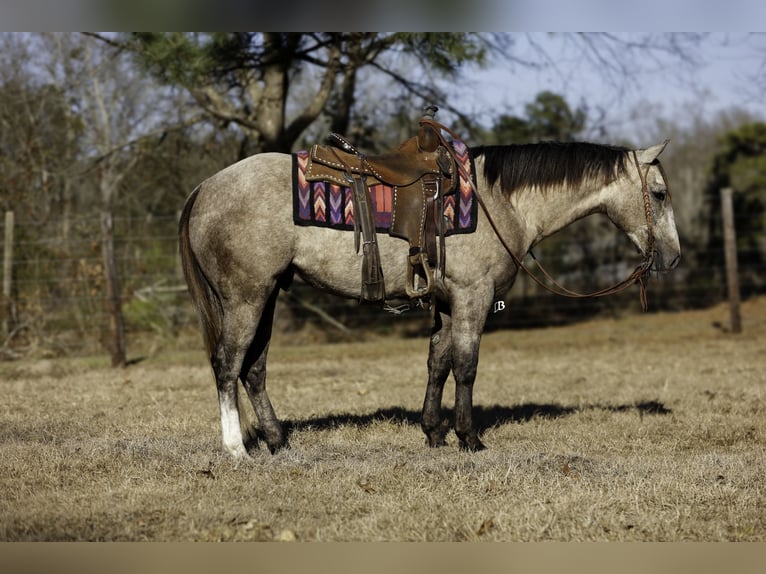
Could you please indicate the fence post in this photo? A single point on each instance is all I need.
(8, 273)
(179, 265)
(116, 342)
(730, 256)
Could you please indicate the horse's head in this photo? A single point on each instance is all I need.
(646, 212)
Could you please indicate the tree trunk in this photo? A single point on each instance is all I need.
(271, 109)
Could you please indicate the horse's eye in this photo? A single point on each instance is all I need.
(659, 195)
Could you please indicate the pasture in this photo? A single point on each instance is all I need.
(646, 428)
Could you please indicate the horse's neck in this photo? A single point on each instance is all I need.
(546, 213)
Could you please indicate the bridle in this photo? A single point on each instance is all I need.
(639, 275)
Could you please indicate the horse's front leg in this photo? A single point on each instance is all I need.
(467, 325)
(433, 424)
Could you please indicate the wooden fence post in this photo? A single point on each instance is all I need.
(179, 265)
(8, 273)
(730, 255)
(116, 342)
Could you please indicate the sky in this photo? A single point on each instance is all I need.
(381, 15)
(720, 79)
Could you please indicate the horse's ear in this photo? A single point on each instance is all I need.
(650, 154)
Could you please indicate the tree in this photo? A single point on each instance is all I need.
(550, 117)
(117, 106)
(273, 86)
(39, 139)
(547, 117)
(741, 164)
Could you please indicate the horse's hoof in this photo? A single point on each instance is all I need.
(436, 435)
(435, 442)
(276, 447)
(238, 453)
(472, 444)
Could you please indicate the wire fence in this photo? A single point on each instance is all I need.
(54, 287)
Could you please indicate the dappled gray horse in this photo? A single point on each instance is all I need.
(239, 246)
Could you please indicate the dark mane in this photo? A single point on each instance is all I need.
(549, 165)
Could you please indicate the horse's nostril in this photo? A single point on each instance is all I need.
(674, 263)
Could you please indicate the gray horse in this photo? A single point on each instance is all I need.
(239, 246)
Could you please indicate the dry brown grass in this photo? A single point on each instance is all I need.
(642, 428)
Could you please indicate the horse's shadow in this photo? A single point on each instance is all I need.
(484, 417)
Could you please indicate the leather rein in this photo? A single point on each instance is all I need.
(639, 275)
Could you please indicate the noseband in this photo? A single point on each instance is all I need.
(639, 275)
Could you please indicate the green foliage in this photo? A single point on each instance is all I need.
(174, 57)
(445, 52)
(157, 313)
(194, 59)
(511, 129)
(548, 117)
(741, 164)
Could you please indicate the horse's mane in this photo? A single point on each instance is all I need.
(550, 165)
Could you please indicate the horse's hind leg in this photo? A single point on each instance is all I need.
(439, 364)
(227, 361)
(238, 330)
(254, 379)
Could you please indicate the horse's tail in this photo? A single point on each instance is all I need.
(202, 293)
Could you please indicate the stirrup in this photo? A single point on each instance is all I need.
(418, 259)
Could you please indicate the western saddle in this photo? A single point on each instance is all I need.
(421, 171)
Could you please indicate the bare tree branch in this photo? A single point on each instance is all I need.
(315, 107)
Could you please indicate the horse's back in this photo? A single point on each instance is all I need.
(245, 195)
(249, 184)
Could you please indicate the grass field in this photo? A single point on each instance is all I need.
(642, 428)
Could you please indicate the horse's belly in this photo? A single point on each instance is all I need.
(327, 259)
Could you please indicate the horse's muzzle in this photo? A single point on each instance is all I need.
(659, 265)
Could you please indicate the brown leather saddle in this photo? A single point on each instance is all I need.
(421, 172)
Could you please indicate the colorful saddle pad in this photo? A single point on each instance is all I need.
(326, 204)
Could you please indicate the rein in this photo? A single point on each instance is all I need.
(639, 275)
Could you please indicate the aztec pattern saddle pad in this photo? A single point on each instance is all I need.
(326, 204)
